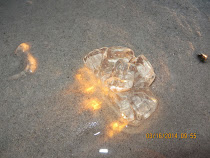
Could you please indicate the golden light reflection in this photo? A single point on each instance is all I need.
(90, 86)
(94, 91)
(32, 63)
(116, 127)
(24, 47)
(92, 104)
(105, 90)
(89, 83)
(87, 80)
(90, 89)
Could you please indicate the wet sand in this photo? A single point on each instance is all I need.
(39, 114)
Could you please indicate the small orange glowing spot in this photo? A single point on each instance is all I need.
(90, 89)
(116, 127)
(88, 82)
(32, 63)
(31, 66)
(93, 104)
(24, 47)
(79, 77)
(110, 133)
(105, 90)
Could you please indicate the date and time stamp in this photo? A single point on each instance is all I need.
(171, 135)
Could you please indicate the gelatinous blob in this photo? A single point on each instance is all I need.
(116, 53)
(145, 74)
(124, 108)
(122, 80)
(122, 77)
(135, 105)
(23, 50)
(113, 54)
(94, 58)
(144, 103)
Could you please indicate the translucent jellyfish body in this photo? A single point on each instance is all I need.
(127, 78)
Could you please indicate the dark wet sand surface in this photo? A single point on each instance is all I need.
(39, 119)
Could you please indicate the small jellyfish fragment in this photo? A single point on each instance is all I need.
(23, 50)
(116, 53)
(135, 105)
(125, 108)
(144, 103)
(145, 74)
(122, 77)
(112, 56)
(94, 58)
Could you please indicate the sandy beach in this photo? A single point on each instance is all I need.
(40, 114)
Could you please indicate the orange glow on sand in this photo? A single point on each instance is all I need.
(24, 47)
(92, 104)
(116, 127)
(90, 86)
(90, 89)
(89, 83)
(31, 60)
(87, 80)
(32, 63)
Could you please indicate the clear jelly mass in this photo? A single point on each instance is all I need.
(127, 78)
